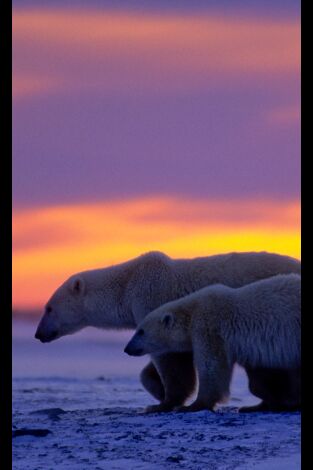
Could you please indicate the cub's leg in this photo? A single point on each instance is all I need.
(279, 389)
(214, 373)
(178, 377)
(151, 380)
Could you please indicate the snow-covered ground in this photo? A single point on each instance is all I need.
(84, 395)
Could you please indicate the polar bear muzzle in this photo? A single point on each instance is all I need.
(47, 329)
(45, 337)
(133, 350)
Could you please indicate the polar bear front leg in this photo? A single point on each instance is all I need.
(207, 393)
(214, 374)
(205, 400)
(178, 377)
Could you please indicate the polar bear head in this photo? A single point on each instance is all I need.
(89, 298)
(163, 330)
(64, 312)
(111, 297)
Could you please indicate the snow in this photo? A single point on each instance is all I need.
(86, 392)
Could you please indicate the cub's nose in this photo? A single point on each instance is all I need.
(133, 351)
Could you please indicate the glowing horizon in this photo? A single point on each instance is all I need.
(52, 243)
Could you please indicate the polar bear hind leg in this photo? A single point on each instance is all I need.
(278, 389)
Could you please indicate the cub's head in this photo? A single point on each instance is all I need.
(65, 312)
(162, 331)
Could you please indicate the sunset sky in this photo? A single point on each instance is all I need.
(169, 125)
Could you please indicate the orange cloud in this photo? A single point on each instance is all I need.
(116, 51)
(51, 243)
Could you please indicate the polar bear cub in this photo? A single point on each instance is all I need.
(257, 325)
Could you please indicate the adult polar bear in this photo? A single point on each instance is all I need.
(258, 324)
(120, 296)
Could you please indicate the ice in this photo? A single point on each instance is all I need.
(87, 392)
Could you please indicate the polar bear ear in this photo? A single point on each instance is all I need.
(78, 286)
(167, 320)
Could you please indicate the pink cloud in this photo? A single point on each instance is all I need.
(118, 51)
(284, 115)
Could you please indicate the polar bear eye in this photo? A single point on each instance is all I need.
(140, 332)
(48, 310)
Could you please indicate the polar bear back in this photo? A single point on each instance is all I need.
(231, 269)
(265, 328)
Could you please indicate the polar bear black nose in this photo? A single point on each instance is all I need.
(45, 338)
(131, 351)
(40, 336)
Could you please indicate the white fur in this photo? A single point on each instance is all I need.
(257, 325)
(260, 323)
(120, 296)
